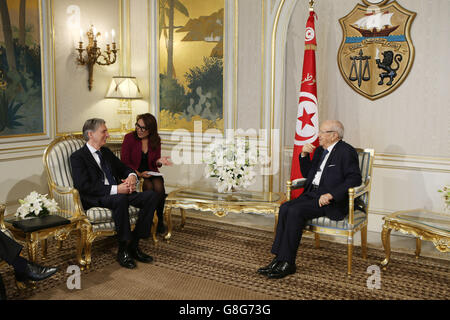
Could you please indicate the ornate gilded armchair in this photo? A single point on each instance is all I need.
(94, 222)
(358, 211)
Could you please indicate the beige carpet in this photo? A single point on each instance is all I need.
(208, 260)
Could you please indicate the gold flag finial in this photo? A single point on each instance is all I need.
(311, 5)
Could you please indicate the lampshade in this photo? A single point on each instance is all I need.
(124, 88)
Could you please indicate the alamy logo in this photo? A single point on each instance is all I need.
(374, 281)
(74, 280)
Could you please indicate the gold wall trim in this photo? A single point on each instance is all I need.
(44, 75)
(411, 168)
(272, 98)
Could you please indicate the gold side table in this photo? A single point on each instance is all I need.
(424, 224)
(220, 204)
(32, 239)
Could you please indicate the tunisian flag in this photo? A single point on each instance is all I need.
(307, 125)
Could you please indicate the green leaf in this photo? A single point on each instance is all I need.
(180, 7)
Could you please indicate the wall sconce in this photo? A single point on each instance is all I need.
(93, 53)
(125, 89)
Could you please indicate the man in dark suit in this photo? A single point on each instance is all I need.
(332, 171)
(104, 181)
(24, 270)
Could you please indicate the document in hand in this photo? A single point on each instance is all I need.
(154, 173)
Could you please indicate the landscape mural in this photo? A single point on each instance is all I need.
(21, 109)
(191, 64)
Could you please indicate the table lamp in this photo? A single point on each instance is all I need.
(125, 89)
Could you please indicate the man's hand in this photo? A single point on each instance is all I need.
(307, 148)
(325, 199)
(123, 188)
(130, 182)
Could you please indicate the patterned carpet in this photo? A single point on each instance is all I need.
(224, 254)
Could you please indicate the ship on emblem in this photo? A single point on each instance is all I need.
(375, 25)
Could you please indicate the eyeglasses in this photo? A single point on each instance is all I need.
(139, 127)
(329, 131)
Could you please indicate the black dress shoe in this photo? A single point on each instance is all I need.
(35, 272)
(282, 270)
(267, 269)
(125, 260)
(137, 254)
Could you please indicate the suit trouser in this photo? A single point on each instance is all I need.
(9, 249)
(147, 201)
(292, 219)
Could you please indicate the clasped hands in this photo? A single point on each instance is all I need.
(128, 185)
(326, 198)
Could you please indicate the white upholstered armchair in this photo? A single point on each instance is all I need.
(96, 221)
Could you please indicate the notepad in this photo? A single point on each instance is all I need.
(154, 173)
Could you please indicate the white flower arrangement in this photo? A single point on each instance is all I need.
(232, 164)
(36, 205)
(446, 196)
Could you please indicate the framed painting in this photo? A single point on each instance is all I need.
(21, 101)
(191, 60)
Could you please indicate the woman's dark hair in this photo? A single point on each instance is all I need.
(150, 124)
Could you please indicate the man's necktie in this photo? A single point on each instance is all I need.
(106, 169)
(324, 153)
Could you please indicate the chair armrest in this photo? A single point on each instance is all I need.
(2, 216)
(294, 184)
(354, 193)
(68, 200)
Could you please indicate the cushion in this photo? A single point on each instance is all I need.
(110, 225)
(358, 218)
(39, 223)
(103, 215)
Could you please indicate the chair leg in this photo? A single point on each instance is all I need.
(349, 254)
(87, 252)
(364, 242)
(153, 230)
(317, 240)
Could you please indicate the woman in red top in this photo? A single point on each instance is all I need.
(141, 151)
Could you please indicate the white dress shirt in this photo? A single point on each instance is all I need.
(97, 159)
(318, 175)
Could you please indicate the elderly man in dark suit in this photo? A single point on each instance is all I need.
(104, 181)
(332, 171)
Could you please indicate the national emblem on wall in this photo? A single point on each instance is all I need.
(376, 52)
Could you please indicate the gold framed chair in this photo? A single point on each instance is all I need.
(96, 221)
(358, 211)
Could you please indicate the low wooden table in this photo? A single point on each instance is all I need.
(221, 204)
(424, 224)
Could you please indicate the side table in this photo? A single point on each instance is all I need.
(424, 224)
(33, 238)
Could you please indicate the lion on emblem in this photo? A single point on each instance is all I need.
(388, 58)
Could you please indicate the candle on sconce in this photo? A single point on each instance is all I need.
(113, 34)
(81, 35)
(95, 33)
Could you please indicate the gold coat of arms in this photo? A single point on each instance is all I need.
(376, 52)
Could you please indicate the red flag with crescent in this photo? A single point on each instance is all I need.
(307, 121)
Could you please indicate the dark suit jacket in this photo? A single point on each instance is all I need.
(131, 153)
(340, 173)
(88, 178)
